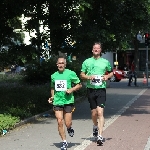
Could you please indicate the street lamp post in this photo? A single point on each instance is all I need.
(116, 60)
(147, 42)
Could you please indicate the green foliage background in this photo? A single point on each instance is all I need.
(26, 95)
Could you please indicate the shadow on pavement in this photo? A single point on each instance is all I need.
(58, 145)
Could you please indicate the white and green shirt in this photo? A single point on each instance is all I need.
(98, 68)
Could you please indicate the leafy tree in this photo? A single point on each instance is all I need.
(10, 12)
(114, 23)
(61, 17)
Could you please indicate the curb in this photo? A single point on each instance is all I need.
(33, 118)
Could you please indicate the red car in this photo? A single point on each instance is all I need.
(118, 75)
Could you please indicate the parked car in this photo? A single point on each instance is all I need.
(118, 75)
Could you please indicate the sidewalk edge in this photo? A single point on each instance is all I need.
(33, 118)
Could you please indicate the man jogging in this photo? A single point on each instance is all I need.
(93, 71)
(62, 98)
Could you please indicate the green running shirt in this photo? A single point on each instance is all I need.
(96, 67)
(61, 81)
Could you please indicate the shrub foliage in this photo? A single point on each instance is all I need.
(22, 96)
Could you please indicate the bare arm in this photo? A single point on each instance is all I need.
(86, 77)
(52, 92)
(50, 100)
(109, 75)
(75, 88)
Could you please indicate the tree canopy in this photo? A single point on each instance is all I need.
(73, 26)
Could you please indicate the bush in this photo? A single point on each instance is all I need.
(28, 99)
(7, 122)
(75, 66)
(20, 100)
(41, 73)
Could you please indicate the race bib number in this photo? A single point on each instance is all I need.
(61, 85)
(97, 81)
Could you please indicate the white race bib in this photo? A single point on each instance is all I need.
(97, 81)
(61, 85)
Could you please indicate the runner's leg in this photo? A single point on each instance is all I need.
(60, 121)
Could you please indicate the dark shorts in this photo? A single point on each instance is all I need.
(96, 97)
(68, 108)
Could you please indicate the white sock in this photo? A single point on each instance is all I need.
(65, 141)
(94, 126)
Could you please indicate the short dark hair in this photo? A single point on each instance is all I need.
(62, 56)
(97, 43)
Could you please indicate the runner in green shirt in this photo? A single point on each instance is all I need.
(62, 98)
(94, 72)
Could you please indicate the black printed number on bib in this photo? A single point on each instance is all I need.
(61, 85)
(97, 80)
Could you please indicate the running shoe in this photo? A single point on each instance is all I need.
(99, 140)
(64, 146)
(95, 132)
(70, 131)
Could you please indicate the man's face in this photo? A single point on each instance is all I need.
(61, 63)
(96, 50)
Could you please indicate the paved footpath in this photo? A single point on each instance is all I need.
(127, 125)
(129, 129)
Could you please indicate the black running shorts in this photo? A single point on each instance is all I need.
(96, 97)
(68, 108)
